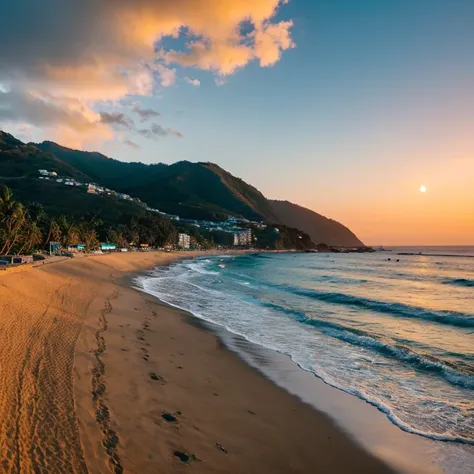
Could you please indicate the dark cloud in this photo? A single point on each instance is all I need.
(157, 131)
(116, 118)
(145, 114)
(131, 144)
(145, 133)
(21, 106)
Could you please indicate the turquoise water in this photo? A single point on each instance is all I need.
(399, 335)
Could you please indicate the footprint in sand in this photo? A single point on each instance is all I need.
(169, 417)
(185, 457)
(159, 378)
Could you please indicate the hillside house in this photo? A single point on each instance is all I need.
(44, 173)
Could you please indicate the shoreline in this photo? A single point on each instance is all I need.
(178, 322)
(151, 392)
(366, 423)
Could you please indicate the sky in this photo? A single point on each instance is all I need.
(346, 107)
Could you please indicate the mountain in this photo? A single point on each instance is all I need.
(201, 191)
(192, 190)
(18, 160)
(102, 169)
(204, 191)
(319, 228)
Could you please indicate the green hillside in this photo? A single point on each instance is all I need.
(319, 228)
(193, 190)
(104, 170)
(19, 160)
(202, 191)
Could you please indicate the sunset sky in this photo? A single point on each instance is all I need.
(343, 106)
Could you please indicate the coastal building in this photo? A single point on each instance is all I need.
(91, 189)
(108, 247)
(74, 248)
(243, 238)
(184, 241)
(53, 174)
(16, 259)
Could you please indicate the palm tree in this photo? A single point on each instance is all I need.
(12, 218)
(88, 235)
(32, 236)
(67, 232)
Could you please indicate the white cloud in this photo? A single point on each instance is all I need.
(193, 82)
(167, 75)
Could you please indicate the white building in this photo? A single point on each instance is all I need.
(48, 173)
(184, 241)
(243, 238)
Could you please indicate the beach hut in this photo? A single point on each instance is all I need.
(106, 247)
(16, 259)
(76, 248)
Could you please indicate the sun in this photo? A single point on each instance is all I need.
(423, 189)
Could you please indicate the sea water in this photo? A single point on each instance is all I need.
(397, 334)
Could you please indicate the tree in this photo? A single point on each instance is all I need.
(19, 230)
(12, 219)
(88, 236)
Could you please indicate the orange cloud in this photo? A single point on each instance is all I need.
(73, 55)
(223, 58)
(271, 40)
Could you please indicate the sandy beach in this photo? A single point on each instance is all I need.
(98, 377)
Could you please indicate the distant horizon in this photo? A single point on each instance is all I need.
(424, 246)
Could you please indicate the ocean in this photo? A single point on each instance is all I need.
(397, 334)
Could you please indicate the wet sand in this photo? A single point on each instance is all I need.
(98, 377)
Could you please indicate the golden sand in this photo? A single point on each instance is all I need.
(89, 366)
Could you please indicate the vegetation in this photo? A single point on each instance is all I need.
(104, 170)
(26, 229)
(192, 190)
(319, 228)
(202, 191)
(19, 232)
(19, 160)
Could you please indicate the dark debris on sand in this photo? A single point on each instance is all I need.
(219, 446)
(185, 457)
(169, 417)
(159, 378)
